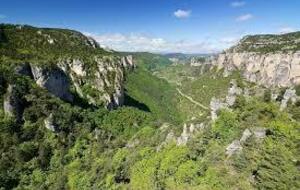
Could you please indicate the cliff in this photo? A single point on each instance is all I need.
(66, 63)
(269, 60)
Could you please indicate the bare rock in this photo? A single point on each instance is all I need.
(12, 104)
(188, 132)
(184, 137)
(246, 134)
(49, 124)
(233, 148)
(272, 69)
(233, 91)
(54, 80)
(289, 95)
(259, 133)
(215, 106)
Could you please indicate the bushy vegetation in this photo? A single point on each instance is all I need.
(93, 148)
(269, 43)
(127, 148)
(27, 43)
(158, 95)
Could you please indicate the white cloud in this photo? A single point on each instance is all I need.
(140, 42)
(244, 17)
(284, 30)
(2, 16)
(182, 13)
(238, 4)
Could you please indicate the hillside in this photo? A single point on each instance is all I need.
(65, 62)
(22, 42)
(269, 43)
(77, 117)
(268, 60)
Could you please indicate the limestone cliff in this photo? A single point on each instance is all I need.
(66, 63)
(101, 84)
(269, 60)
(271, 69)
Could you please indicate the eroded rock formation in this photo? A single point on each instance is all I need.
(271, 69)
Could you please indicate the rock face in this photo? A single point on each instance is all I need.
(78, 64)
(99, 84)
(269, 60)
(289, 95)
(271, 69)
(12, 104)
(49, 124)
(203, 63)
(54, 80)
(103, 82)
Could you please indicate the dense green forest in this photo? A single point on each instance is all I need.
(135, 146)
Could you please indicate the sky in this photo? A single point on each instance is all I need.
(187, 26)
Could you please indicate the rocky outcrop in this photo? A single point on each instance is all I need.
(54, 80)
(203, 64)
(289, 95)
(216, 104)
(233, 148)
(233, 92)
(82, 68)
(49, 123)
(23, 69)
(100, 82)
(271, 69)
(12, 104)
(188, 132)
(237, 145)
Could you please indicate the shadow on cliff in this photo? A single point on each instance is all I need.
(129, 101)
(81, 102)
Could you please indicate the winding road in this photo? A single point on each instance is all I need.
(191, 99)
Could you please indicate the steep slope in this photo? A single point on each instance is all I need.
(269, 60)
(161, 138)
(63, 61)
(157, 94)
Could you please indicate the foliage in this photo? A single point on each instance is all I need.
(269, 43)
(155, 93)
(128, 148)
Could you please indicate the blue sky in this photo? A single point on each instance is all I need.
(190, 26)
